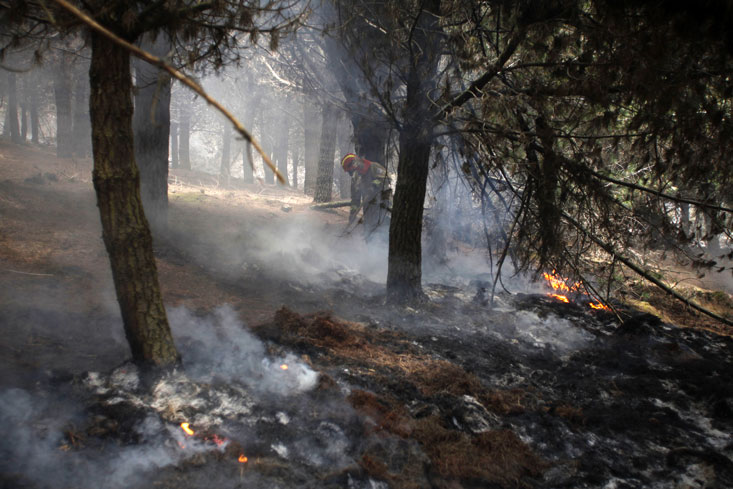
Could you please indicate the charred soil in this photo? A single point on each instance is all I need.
(345, 391)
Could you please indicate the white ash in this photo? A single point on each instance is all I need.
(558, 334)
(280, 449)
(220, 348)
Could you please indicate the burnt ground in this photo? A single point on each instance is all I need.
(534, 393)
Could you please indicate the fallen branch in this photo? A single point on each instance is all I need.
(29, 273)
(644, 273)
(331, 205)
(160, 63)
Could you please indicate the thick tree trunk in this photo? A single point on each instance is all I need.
(311, 138)
(151, 129)
(226, 154)
(324, 182)
(12, 111)
(404, 269)
(64, 119)
(125, 230)
(370, 138)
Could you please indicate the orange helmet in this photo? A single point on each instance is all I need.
(349, 162)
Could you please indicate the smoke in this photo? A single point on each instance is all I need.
(35, 448)
(553, 333)
(219, 348)
(228, 376)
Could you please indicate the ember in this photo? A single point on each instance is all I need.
(284, 366)
(186, 428)
(242, 459)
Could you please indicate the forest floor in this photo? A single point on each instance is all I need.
(533, 394)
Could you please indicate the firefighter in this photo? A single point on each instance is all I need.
(370, 191)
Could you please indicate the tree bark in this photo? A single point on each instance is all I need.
(296, 160)
(324, 182)
(35, 121)
(125, 230)
(82, 138)
(184, 135)
(12, 111)
(344, 180)
(64, 119)
(310, 133)
(226, 154)
(23, 121)
(404, 267)
(282, 147)
(248, 162)
(174, 145)
(151, 129)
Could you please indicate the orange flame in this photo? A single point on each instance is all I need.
(284, 366)
(599, 306)
(242, 459)
(560, 283)
(188, 430)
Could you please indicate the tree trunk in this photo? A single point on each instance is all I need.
(404, 268)
(12, 111)
(248, 162)
(35, 123)
(226, 156)
(174, 145)
(184, 135)
(64, 120)
(125, 230)
(282, 147)
(82, 130)
(296, 159)
(344, 180)
(268, 140)
(23, 121)
(324, 182)
(151, 128)
(310, 133)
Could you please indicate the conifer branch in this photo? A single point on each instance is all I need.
(644, 273)
(160, 63)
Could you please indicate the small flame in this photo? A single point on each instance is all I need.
(242, 459)
(560, 297)
(284, 366)
(186, 428)
(599, 305)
